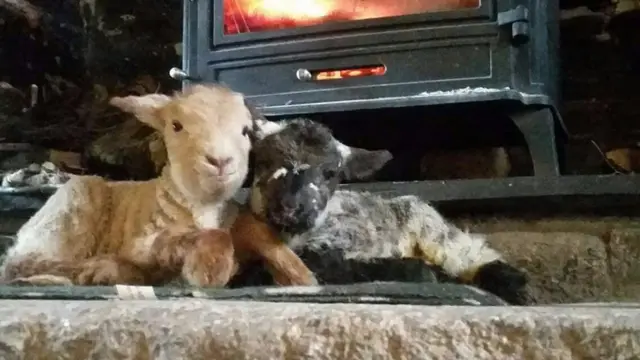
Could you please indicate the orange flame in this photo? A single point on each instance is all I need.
(242, 16)
(299, 9)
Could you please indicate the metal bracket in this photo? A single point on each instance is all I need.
(518, 18)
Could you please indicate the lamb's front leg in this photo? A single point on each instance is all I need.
(256, 237)
(97, 270)
(201, 257)
(107, 270)
(38, 272)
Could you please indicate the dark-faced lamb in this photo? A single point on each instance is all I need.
(298, 167)
(92, 231)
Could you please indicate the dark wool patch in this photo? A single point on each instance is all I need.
(302, 141)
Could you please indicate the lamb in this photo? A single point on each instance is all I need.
(298, 167)
(97, 232)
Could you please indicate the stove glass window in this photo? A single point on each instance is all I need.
(246, 16)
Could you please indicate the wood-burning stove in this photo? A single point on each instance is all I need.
(317, 56)
(307, 56)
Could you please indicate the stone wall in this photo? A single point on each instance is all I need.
(62, 60)
(571, 259)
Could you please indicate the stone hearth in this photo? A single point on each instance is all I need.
(197, 329)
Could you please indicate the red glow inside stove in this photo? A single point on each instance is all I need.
(245, 16)
(350, 73)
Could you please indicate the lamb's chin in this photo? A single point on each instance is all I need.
(214, 190)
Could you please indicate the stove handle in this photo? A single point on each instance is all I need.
(304, 75)
(180, 75)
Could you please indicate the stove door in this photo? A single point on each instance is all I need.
(249, 20)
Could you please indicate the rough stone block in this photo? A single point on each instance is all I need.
(624, 250)
(197, 329)
(563, 267)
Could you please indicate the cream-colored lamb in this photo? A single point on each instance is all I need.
(92, 231)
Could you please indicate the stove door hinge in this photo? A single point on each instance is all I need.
(518, 19)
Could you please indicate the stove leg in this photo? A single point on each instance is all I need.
(538, 127)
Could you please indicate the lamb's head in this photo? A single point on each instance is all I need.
(206, 131)
(297, 170)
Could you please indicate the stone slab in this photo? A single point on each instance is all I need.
(624, 250)
(201, 329)
(372, 292)
(563, 267)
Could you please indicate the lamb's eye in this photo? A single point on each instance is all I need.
(329, 173)
(246, 131)
(176, 126)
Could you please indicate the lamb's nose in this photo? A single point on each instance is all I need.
(220, 163)
(292, 211)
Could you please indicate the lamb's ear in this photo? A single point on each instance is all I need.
(264, 128)
(361, 164)
(143, 107)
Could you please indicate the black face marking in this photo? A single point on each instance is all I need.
(297, 170)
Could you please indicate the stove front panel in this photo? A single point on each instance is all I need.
(385, 71)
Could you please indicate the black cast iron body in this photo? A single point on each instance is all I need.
(507, 48)
(504, 51)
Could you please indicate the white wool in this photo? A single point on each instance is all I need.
(89, 215)
(376, 230)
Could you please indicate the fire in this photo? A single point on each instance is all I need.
(295, 9)
(241, 16)
(244, 16)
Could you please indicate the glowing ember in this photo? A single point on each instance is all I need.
(243, 16)
(350, 73)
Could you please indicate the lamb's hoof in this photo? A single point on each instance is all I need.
(301, 279)
(211, 262)
(503, 280)
(41, 280)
